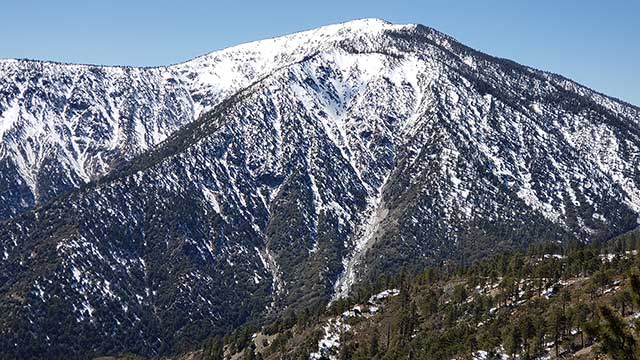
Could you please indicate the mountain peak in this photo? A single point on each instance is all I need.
(371, 26)
(325, 34)
(364, 24)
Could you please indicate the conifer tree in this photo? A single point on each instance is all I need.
(615, 337)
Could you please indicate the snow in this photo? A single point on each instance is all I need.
(211, 197)
(554, 256)
(454, 97)
(329, 344)
(536, 108)
(384, 295)
(549, 292)
(39, 290)
(455, 181)
(608, 257)
(9, 117)
(262, 260)
(469, 60)
(377, 212)
(76, 274)
(222, 73)
(484, 355)
(87, 308)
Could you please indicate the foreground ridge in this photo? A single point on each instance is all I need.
(577, 302)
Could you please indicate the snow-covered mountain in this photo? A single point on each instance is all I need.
(277, 174)
(63, 125)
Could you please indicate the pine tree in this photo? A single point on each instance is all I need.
(615, 337)
(634, 279)
(511, 340)
(213, 349)
(527, 331)
(556, 326)
(373, 347)
(580, 319)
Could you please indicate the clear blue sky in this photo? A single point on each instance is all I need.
(593, 42)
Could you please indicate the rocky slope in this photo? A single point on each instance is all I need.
(318, 159)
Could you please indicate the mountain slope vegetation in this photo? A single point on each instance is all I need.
(574, 302)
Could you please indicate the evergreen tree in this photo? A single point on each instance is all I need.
(556, 326)
(634, 280)
(373, 347)
(213, 349)
(580, 319)
(512, 340)
(615, 337)
(527, 331)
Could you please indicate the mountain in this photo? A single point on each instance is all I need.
(64, 125)
(146, 209)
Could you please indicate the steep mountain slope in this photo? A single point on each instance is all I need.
(62, 125)
(347, 152)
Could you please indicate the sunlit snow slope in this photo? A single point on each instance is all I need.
(62, 125)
